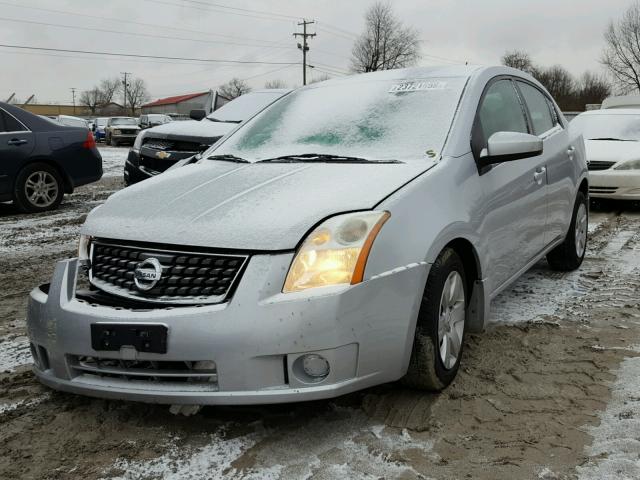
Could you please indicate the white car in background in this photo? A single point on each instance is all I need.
(612, 141)
(71, 121)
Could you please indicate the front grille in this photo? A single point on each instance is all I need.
(201, 375)
(605, 190)
(600, 165)
(177, 145)
(186, 278)
(175, 149)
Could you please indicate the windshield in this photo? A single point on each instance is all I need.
(608, 126)
(124, 121)
(157, 118)
(243, 107)
(375, 119)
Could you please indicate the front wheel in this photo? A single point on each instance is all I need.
(438, 341)
(38, 188)
(569, 254)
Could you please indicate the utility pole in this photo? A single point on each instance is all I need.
(125, 85)
(304, 47)
(73, 94)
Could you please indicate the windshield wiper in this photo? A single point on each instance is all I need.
(227, 158)
(322, 158)
(613, 139)
(223, 121)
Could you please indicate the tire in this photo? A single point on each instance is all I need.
(569, 254)
(428, 370)
(38, 188)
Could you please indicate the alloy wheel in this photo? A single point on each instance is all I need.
(451, 319)
(581, 230)
(41, 189)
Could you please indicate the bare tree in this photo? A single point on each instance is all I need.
(277, 83)
(558, 81)
(92, 99)
(386, 43)
(234, 88)
(621, 54)
(137, 94)
(518, 59)
(109, 87)
(593, 88)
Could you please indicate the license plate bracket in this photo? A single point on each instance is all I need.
(150, 338)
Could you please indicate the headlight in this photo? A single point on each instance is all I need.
(630, 165)
(117, 132)
(138, 141)
(84, 247)
(336, 252)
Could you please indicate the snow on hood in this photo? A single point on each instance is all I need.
(244, 206)
(611, 151)
(191, 128)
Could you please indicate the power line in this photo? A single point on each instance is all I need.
(215, 9)
(148, 35)
(114, 54)
(131, 22)
(267, 73)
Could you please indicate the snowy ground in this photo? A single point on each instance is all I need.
(113, 159)
(550, 391)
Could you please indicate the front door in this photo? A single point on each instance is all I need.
(514, 192)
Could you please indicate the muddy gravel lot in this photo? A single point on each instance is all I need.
(550, 391)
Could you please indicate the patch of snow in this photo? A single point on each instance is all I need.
(11, 406)
(183, 463)
(113, 159)
(355, 450)
(615, 451)
(14, 353)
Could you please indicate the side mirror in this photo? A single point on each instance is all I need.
(197, 114)
(509, 146)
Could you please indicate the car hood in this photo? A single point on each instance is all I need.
(191, 128)
(611, 151)
(265, 207)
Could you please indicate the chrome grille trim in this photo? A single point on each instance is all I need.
(119, 280)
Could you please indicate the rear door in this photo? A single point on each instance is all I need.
(514, 192)
(558, 156)
(16, 144)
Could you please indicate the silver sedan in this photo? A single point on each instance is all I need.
(350, 234)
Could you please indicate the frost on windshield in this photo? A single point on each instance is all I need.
(380, 120)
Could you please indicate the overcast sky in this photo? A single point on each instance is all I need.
(566, 32)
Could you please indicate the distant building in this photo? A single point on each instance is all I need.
(52, 110)
(183, 104)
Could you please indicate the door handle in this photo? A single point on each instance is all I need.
(539, 175)
(570, 151)
(16, 142)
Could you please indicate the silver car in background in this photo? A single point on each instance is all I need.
(348, 235)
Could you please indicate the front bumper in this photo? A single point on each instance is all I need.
(133, 172)
(255, 340)
(615, 184)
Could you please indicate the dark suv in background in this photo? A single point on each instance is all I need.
(158, 148)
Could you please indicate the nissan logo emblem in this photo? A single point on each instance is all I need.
(147, 274)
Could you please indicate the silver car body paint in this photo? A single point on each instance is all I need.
(507, 220)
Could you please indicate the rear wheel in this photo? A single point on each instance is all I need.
(570, 253)
(38, 188)
(438, 342)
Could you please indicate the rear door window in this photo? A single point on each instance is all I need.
(501, 110)
(538, 108)
(9, 124)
